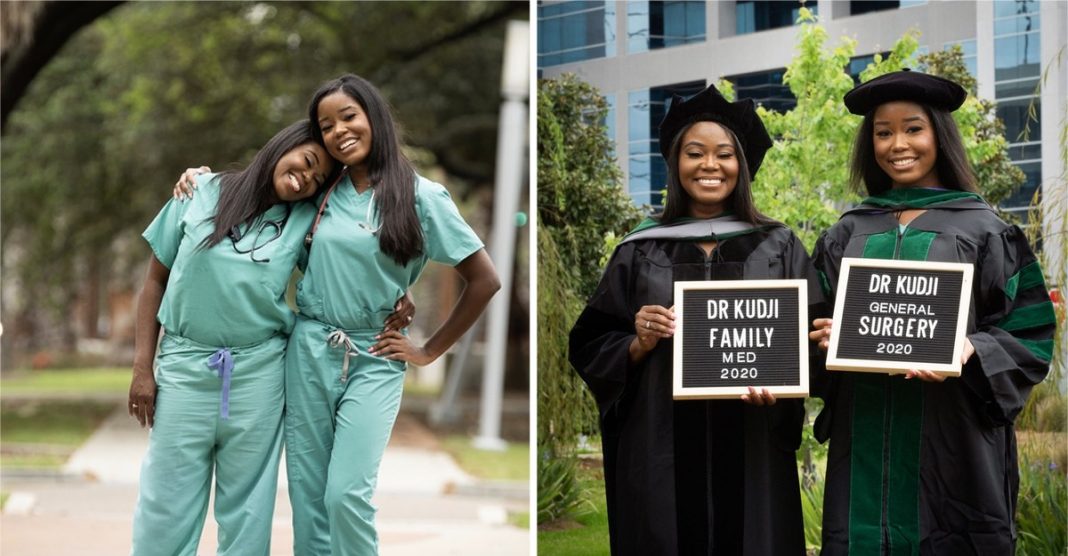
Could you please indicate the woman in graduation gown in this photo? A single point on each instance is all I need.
(693, 477)
(922, 464)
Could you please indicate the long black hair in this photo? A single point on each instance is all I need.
(246, 194)
(390, 172)
(740, 201)
(951, 163)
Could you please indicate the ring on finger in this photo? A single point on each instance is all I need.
(649, 324)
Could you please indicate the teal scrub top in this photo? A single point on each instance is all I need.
(348, 281)
(219, 296)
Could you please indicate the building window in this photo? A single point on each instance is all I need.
(765, 88)
(866, 6)
(753, 16)
(575, 31)
(660, 24)
(1017, 69)
(646, 169)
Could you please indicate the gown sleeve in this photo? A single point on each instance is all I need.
(1015, 324)
(827, 262)
(800, 266)
(600, 340)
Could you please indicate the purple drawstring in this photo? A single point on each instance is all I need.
(222, 361)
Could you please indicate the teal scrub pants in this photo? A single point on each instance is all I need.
(338, 421)
(191, 438)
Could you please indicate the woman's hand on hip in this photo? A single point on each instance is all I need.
(395, 346)
(187, 182)
(142, 400)
(402, 315)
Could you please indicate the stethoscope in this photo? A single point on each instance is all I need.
(236, 236)
(368, 221)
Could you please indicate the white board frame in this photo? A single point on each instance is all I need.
(735, 392)
(835, 363)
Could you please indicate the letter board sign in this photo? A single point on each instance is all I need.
(891, 316)
(732, 334)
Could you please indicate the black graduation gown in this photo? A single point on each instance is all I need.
(924, 468)
(689, 477)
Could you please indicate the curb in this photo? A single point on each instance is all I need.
(511, 490)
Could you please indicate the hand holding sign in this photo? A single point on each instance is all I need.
(928, 376)
(822, 332)
(651, 324)
(759, 397)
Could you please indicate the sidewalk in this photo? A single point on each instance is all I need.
(87, 510)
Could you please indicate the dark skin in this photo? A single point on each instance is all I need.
(481, 282)
(142, 400)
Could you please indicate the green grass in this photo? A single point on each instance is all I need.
(513, 464)
(3, 499)
(590, 537)
(33, 461)
(58, 427)
(67, 381)
(519, 519)
(66, 423)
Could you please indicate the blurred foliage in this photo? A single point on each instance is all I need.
(580, 194)
(565, 407)
(1043, 499)
(581, 205)
(90, 153)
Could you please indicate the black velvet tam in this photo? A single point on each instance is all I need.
(709, 105)
(913, 86)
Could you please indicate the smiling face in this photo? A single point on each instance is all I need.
(346, 129)
(905, 144)
(301, 172)
(708, 168)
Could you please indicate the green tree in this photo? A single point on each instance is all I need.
(104, 129)
(987, 146)
(580, 193)
(580, 204)
(803, 181)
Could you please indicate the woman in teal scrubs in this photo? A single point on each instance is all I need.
(344, 378)
(344, 375)
(216, 284)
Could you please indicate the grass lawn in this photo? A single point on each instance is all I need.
(520, 519)
(513, 464)
(589, 535)
(57, 427)
(67, 381)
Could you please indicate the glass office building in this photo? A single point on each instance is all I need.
(639, 53)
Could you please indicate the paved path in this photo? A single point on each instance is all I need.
(87, 511)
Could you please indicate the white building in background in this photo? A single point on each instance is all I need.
(639, 53)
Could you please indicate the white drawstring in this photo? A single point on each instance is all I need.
(338, 339)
